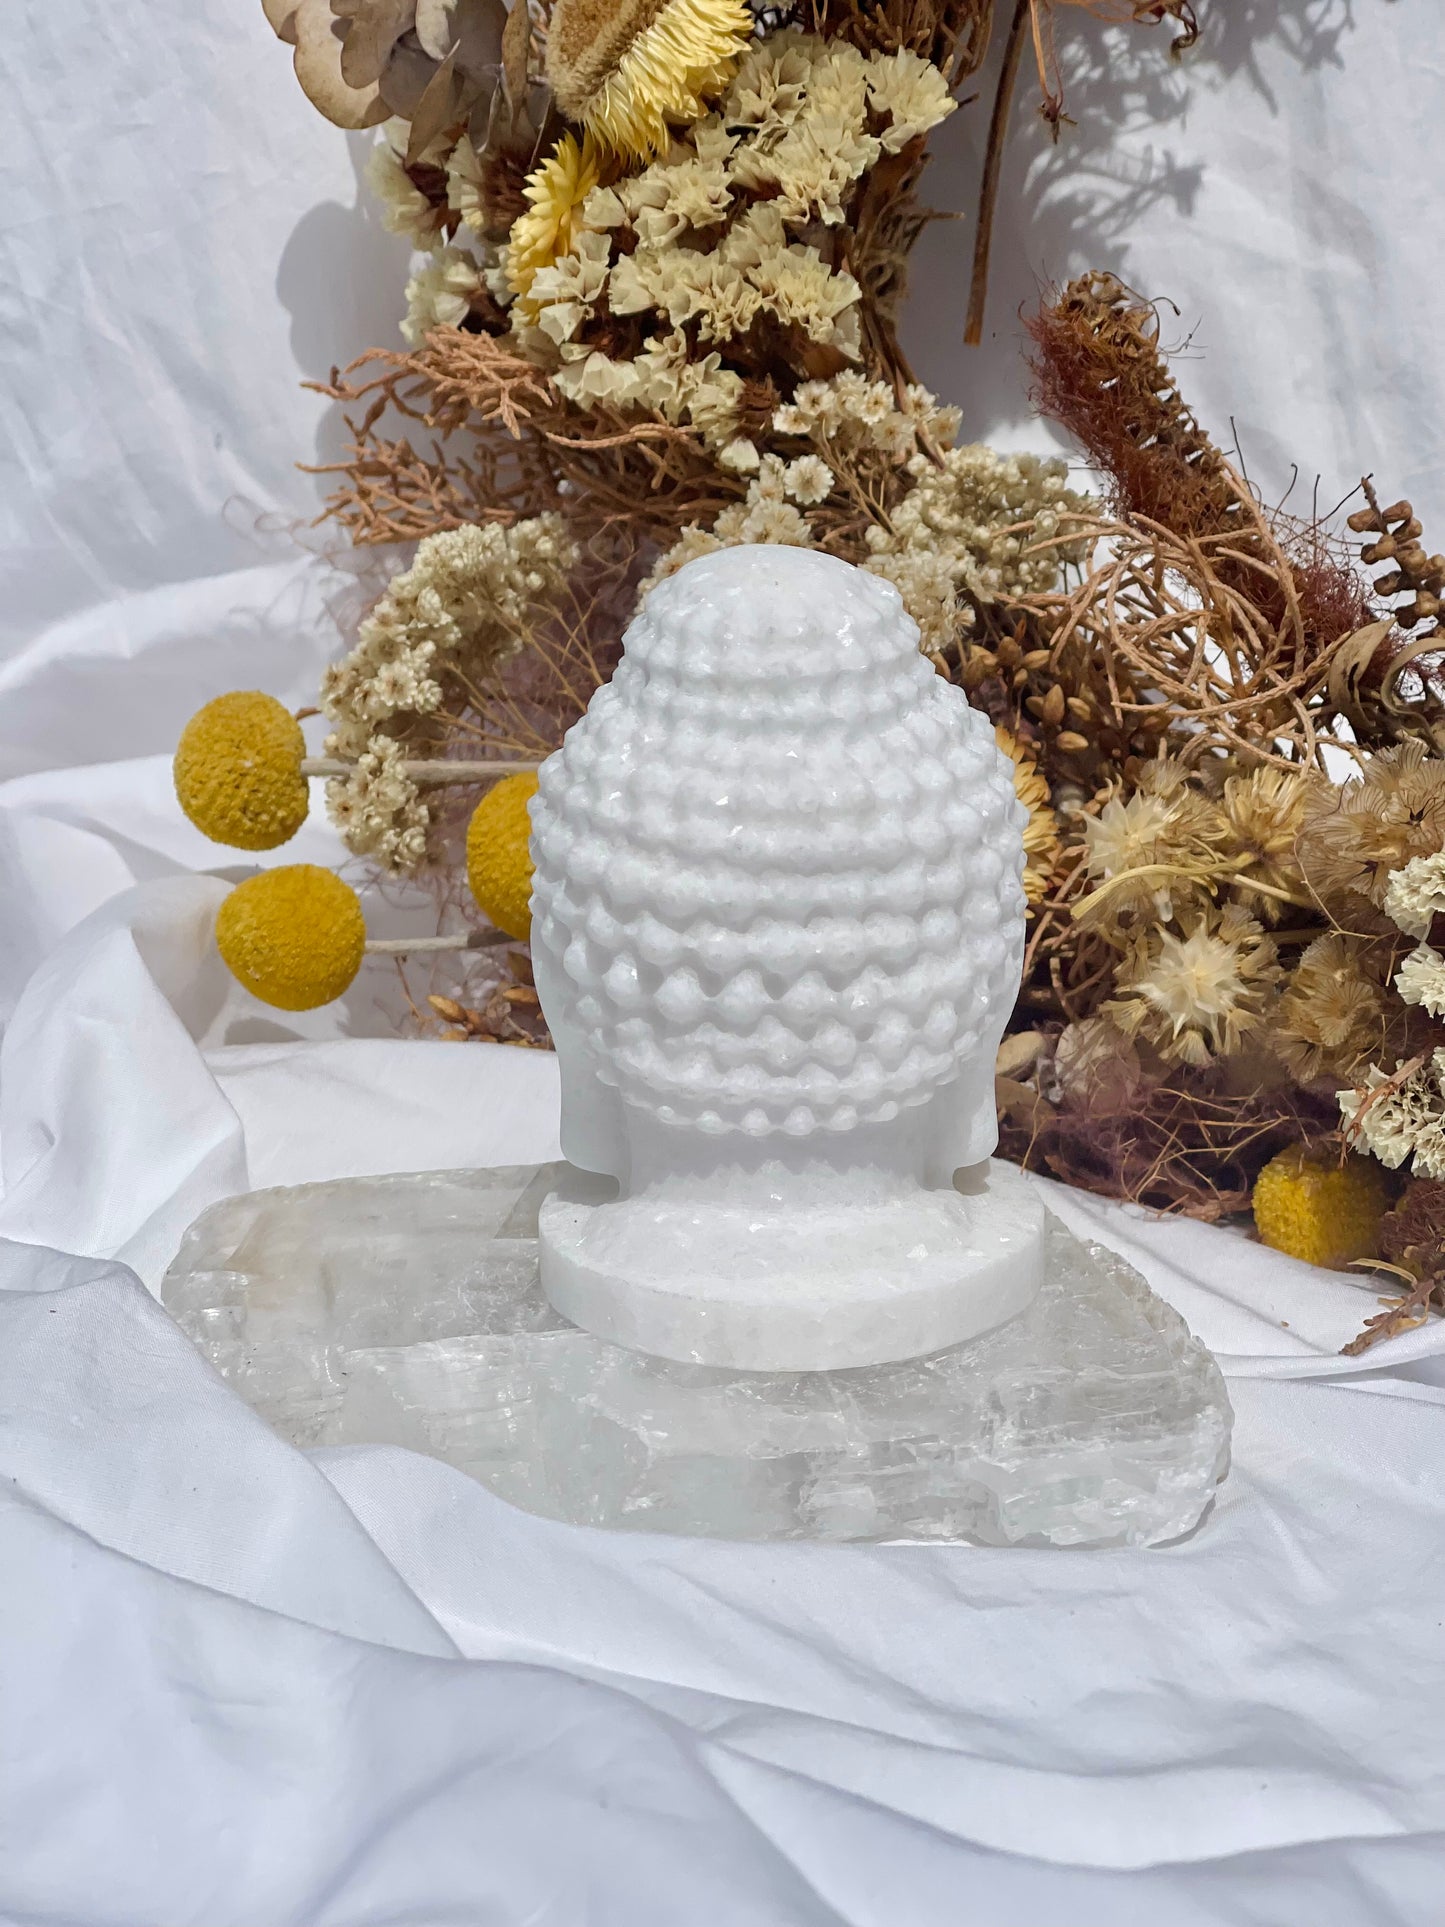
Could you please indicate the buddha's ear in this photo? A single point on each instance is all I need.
(962, 1127)
(592, 1129)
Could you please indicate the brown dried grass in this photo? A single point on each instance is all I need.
(504, 444)
(1192, 1146)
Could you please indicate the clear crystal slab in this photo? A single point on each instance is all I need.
(405, 1310)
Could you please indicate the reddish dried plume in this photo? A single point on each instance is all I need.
(1100, 374)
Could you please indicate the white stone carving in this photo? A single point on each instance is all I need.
(777, 928)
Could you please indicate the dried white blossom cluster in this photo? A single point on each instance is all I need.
(404, 208)
(1415, 895)
(441, 288)
(961, 528)
(1414, 898)
(1399, 1117)
(958, 532)
(465, 605)
(709, 234)
(440, 293)
(851, 417)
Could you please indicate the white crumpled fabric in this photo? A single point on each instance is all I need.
(244, 1687)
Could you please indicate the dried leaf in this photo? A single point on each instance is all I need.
(439, 108)
(1349, 663)
(318, 68)
(481, 27)
(408, 75)
(1017, 1052)
(516, 39)
(434, 26)
(281, 15)
(1019, 1103)
(371, 28)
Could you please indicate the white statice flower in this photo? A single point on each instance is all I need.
(912, 92)
(725, 301)
(1399, 1120)
(688, 191)
(809, 480)
(404, 208)
(685, 388)
(639, 282)
(794, 282)
(591, 379)
(754, 269)
(602, 210)
(464, 186)
(740, 455)
(810, 174)
(1420, 980)
(803, 292)
(771, 85)
(495, 279)
(1415, 895)
(685, 285)
(570, 290)
(440, 293)
(810, 141)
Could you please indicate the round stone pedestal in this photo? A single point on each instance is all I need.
(802, 1286)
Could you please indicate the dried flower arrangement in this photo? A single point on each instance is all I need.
(661, 247)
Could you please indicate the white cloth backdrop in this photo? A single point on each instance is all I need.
(240, 1687)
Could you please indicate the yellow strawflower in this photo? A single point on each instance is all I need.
(1314, 1208)
(294, 936)
(499, 864)
(629, 70)
(1041, 832)
(555, 192)
(238, 771)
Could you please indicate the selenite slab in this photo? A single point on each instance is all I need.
(405, 1310)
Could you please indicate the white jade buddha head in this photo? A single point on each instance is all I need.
(777, 875)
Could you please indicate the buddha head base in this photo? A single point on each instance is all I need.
(778, 926)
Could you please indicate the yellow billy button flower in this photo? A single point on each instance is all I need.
(294, 936)
(238, 771)
(1314, 1208)
(499, 863)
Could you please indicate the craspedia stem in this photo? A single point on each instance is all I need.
(427, 772)
(480, 939)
